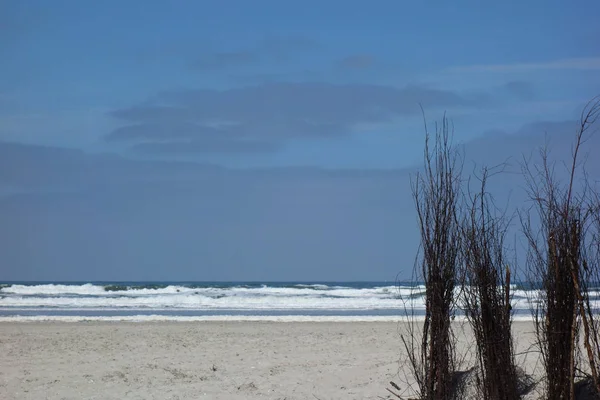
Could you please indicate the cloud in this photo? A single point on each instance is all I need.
(162, 130)
(357, 61)
(124, 220)
(272, 48)
(521, 89)
(214, 146)
(218, 61)
(46, 168)
(186, 137)
(108, 218)
(496, 147)
(272, 112)
(282, 47)
(578, 64)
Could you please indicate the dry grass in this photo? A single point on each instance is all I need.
(436, 192)
(486, 293)
(557, 259)
(562, 232)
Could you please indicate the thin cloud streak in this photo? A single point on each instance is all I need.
(356, 62)
(216, 146)
(581, 64)
(223, 60)
(268, 49)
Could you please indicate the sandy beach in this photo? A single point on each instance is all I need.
(213, 360)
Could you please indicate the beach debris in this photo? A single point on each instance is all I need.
(247, 387)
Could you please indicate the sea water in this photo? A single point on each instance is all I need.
(217, 300)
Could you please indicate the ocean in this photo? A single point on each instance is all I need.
(220, 300)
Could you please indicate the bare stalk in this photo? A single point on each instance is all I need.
(436, 195)
(486, 294)
(556, 261)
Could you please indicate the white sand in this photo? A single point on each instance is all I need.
(175, 360)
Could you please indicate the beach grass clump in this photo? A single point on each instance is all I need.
(436, 193)
(462, 256)
(558, 260)
(486, 294)
(590, 265)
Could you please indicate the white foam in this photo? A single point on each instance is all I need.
(264, 298)
(226, 318)
(309, 297)
(99, 290)
(89, 289)
(54, 289)
(202, 302)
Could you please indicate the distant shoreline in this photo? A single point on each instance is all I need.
(231, 318)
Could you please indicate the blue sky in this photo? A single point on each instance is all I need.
(69, 65)
(177, 86)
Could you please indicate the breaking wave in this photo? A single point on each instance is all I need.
(221, 298)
